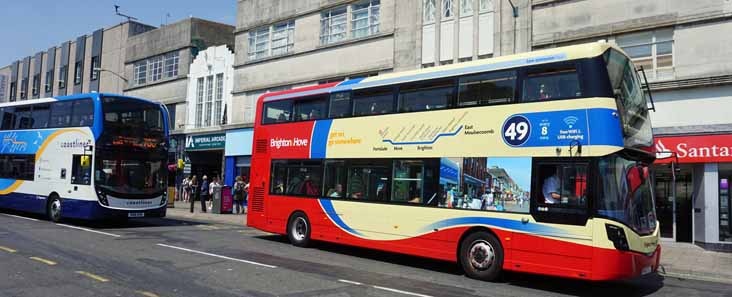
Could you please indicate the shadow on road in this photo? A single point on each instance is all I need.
(112, 223)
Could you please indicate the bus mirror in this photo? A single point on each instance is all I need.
(85, 161)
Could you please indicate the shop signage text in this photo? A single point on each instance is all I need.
(694, 149)
(205, 142)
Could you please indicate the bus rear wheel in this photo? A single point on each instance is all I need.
(481, 256)
(54, 208)
(298, 230)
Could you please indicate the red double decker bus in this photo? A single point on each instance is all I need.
(532, 162)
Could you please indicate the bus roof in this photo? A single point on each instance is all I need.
(71, 97)
(573, 52)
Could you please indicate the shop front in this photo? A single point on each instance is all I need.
(204, 155)
(238, 154)
(692, 177)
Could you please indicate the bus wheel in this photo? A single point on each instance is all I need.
(481, 256)
(298, 230)
(54, 208)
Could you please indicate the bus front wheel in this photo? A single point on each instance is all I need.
(481, 256)
(298, 230)
(54, 208)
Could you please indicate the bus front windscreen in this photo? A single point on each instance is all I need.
(127, 175)
(131, 153)
(626, 193)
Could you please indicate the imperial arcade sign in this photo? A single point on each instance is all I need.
(694, 149)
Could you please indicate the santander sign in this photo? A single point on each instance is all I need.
(694, 149)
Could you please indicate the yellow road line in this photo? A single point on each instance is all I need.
(44, 261)
(7, 249)
(93, 276)
(147, 294)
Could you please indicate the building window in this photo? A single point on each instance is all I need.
(199, 102)
(13, 90)
(94, 68)
(36, 84)
(652, 50)
(24, 89)
(219, 98)
(283, 38)
(259, 43)
(466, 8)
(171, 64)
(486, 5)
(333, 25)
(48, 86)
(156, 68)
(275, 40)
(365, 18)
(447, 12)
(63, 76)
(140, 72)
(209, 101)
(78, 73)
(429, 11)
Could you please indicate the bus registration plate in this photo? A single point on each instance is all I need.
(646, 270)
(136, 215)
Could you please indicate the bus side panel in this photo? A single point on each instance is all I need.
(24, 202)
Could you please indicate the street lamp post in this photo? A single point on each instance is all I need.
(98, 70)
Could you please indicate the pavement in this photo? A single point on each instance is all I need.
(215, 255)
(678, 260)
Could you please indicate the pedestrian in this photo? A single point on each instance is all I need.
(239, 194)
(186, 188)
(204, 192)
(193, 194)
(214, 190)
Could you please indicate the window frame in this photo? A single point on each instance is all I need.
(325, 100)
(93, 73)
(267, 104)
(557, 213)
(140, 72)
(524, 76)
(327, 24)
(4, 158)
(78, 73)
(653, 43)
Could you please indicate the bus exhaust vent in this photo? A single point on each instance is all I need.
(261, 146)
(257, 202)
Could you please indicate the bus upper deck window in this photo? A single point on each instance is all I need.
(311, 108)
(551, 83)
(340, 105)
(487, 88)
(373, 102)
(277, 112)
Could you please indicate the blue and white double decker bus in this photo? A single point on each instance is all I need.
(89, 156)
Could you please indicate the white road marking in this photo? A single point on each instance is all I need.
(400, 291)
(350, 282)
(89, 230)
(217, 256)
(30, 219)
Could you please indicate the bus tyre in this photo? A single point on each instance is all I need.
(481, 256)
(298, 230)
(54, 209)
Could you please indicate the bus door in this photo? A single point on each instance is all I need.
(561, 234)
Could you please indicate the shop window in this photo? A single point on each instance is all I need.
(551, 82)
(277, 112)
(426, 96)
(340, 105)
(373, 102)
(311, 108)
(487, 88)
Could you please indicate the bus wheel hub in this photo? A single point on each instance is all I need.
(481, 255)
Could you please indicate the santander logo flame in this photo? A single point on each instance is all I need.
(661, 151)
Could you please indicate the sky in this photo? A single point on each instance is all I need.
(519, 169)
(31, 26)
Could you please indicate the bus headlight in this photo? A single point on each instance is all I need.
(164, 199)
(102, 198)
(617, 236)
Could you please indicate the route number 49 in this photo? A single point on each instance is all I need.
(516, 130)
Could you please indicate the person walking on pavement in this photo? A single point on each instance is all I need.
(193, 191)
(239, 194)
(214, 192)
(204, 193)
